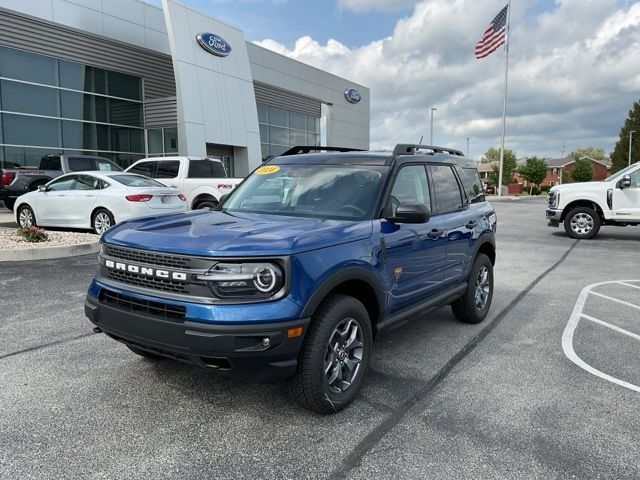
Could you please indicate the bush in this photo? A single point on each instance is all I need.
(33, 234)
(545, 188)
(535, 191)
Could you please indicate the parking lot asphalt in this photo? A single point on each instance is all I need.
(442, 400)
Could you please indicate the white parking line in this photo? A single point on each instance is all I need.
(632, 305)
(629, 285)
(572, 324)
(608, 325)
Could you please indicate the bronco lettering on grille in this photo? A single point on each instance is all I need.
(146, 271)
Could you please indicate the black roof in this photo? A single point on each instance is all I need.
(373, 158)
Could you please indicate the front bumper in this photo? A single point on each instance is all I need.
(554, 217)
(233, 348)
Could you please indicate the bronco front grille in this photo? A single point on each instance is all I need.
(153, 258)
(164, 285)
(144, 307)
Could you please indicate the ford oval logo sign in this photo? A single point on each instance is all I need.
(213, 43)
(352, 95)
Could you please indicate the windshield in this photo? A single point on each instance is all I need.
(136, 181)
(321, 191)
(619, 174)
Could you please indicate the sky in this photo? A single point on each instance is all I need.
(574, 65)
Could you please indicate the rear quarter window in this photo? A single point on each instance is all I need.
(206, 169)
(472, 184)
(167, 169)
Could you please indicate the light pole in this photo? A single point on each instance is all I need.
(433, 109)
(630, 138)
(467, 147)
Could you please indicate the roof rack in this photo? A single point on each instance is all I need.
(410, 149)
(310, 148)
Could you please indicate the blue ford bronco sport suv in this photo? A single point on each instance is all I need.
(315, 254)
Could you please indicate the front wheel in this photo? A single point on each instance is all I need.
(26, 217)
(476, 301)
(582, 223)
(334, 357)
(102, 221)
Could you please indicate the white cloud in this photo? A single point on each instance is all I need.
(574, 74)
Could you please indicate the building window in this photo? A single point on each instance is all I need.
(48, 105)
(282, 129)
(162, 142)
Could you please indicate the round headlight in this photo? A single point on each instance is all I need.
(265, 279)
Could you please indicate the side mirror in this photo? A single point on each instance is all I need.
(625, 182)
(411, 213)
(42, 188)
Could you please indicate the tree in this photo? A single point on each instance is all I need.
(493, 155)
(582, 170)
(534, 171)
(510, 164)
(620, 155)
(591, 152)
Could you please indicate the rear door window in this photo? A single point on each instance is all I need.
(472, 184)
(79, 164)
(87, 182)
(167, 169)
(144, 168)
(447, 190)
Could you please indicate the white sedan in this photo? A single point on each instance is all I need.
(96, 200)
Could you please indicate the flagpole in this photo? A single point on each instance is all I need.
(504, 107)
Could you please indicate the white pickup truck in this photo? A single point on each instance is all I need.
(585, 207)
(202, 180)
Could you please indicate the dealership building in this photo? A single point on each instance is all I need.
(126, 79)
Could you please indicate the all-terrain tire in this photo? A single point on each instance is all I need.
(474, 305)
(311, 386)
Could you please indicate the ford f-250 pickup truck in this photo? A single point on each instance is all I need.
(17, 181)
(585, 207)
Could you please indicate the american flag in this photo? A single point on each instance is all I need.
(494, 36)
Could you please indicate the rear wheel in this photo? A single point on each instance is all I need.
(10, 203)
(476, 301)
(102, 221)
(206, 205)
(144, 353)
(582, 223)
(26, 217)
(334, 357)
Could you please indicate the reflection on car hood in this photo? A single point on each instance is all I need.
(211, 233)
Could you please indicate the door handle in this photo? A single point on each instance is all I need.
(435, 233)
(173, 186)
(472, 224)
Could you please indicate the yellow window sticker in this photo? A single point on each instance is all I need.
(267, 170)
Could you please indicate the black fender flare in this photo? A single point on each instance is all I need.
(350, 273)
(484, 239)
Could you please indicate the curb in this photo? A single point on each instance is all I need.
(46, 253)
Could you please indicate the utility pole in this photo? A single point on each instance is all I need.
(433, 109)
(630, 138)
(563, 147)
(467, 147)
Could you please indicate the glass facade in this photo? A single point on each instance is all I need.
(48, 105)
(281, 129)
(162, 142)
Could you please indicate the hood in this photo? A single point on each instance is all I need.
(570, 187)
(210, 233)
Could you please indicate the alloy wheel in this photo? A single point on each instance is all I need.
(343, 355)
(582, 223)
(102, 223)
(25, 218)
(483, 288)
